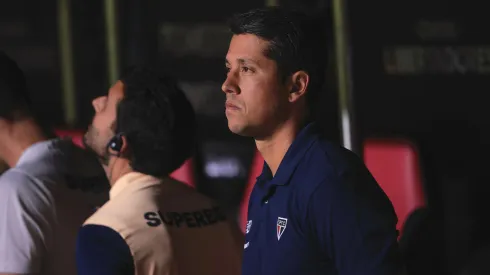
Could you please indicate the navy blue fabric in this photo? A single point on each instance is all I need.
(102, 251)
(322, 213)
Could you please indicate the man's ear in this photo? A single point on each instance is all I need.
(298, 85)
(124, 147)
(121, 148)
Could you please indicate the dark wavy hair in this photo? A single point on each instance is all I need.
(158, 121)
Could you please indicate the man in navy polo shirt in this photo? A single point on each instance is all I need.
(315, 209)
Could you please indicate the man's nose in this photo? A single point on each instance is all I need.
(230, 84)
(99, 102)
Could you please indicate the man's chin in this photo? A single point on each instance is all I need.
(240, 130)
(247, 131)
(236, 129)
(85, 142)
(103, 158)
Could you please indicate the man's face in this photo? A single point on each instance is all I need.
(256, 98)
(101, 130)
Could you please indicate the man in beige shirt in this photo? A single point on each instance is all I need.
(142, 131)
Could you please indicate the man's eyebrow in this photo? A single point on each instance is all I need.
(247, 61)
(243, 61)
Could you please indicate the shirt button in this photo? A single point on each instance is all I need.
(266, 202)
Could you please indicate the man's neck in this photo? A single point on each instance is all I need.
(17, 137)
(118, 167)
(274, 148)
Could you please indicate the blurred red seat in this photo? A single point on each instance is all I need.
(394, 163)
(76, 135)
(185, 173)
(255, 171)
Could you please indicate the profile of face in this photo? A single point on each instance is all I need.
(101, 130)
(257, 101)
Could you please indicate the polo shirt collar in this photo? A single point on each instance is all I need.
(132, 181)
(303, 141)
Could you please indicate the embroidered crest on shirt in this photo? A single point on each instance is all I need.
(249, 225)
(281, 226)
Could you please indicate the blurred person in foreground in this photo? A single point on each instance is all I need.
(3, 167)
(144, 129)
(45, 195)
(315, 209)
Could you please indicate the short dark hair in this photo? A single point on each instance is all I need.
(158, 121)
(296, 42)
(14, 98)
